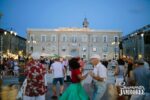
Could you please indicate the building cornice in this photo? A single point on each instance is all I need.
(72, 30)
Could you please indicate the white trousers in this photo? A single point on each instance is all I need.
(42, 97)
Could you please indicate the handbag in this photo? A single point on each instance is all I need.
(21, 91)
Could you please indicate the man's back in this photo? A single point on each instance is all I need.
(57, 68)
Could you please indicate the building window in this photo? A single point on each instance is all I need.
(53, 38)
(64, 39)
(74, 39)
(43, 38)
(116, 38)
(94, 49)
(43, 49)
(84, 38)
(105, 49)
(84, 49)
(147, 39)
(104, 56)
(63, 49)
(31, 37)
(94, 39)
(31, 48)
(84, 56)
(53, 48)
(104, 39)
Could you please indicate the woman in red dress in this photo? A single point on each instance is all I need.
(75, 91)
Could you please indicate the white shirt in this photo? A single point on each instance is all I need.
(57, 68)
(16, 68)
(65, 63)
(100, 70)
(15, 63)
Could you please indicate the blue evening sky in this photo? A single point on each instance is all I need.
(124, 15)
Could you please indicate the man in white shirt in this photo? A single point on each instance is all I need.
(99, 75)
(16, 68)
(58, 71)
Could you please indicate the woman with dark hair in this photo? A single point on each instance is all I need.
(75, 91)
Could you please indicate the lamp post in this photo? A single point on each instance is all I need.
(115, 50)
(11, 35)
(142, 44)
(113, 43)
(1, 53)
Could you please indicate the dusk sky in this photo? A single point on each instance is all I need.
(124, 15)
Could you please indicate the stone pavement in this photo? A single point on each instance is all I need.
(86, 83)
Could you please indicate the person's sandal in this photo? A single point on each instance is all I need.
(54, 97)
(60, 94)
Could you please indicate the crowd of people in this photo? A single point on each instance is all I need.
(9, 67)
(126, 71)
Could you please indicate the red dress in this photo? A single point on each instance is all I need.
(35, 79)
(74, 75)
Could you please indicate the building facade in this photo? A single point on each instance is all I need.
(11, 44)
(137, 44)
(82, 42)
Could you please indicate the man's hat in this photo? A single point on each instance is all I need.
(95, 56)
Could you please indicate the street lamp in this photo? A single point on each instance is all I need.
(5, 33)
(142, 44)
(117, 46)
(115, 43)
(34, 42)
(140, 56)
(142, 35)
(15, 33)
(11, 34)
